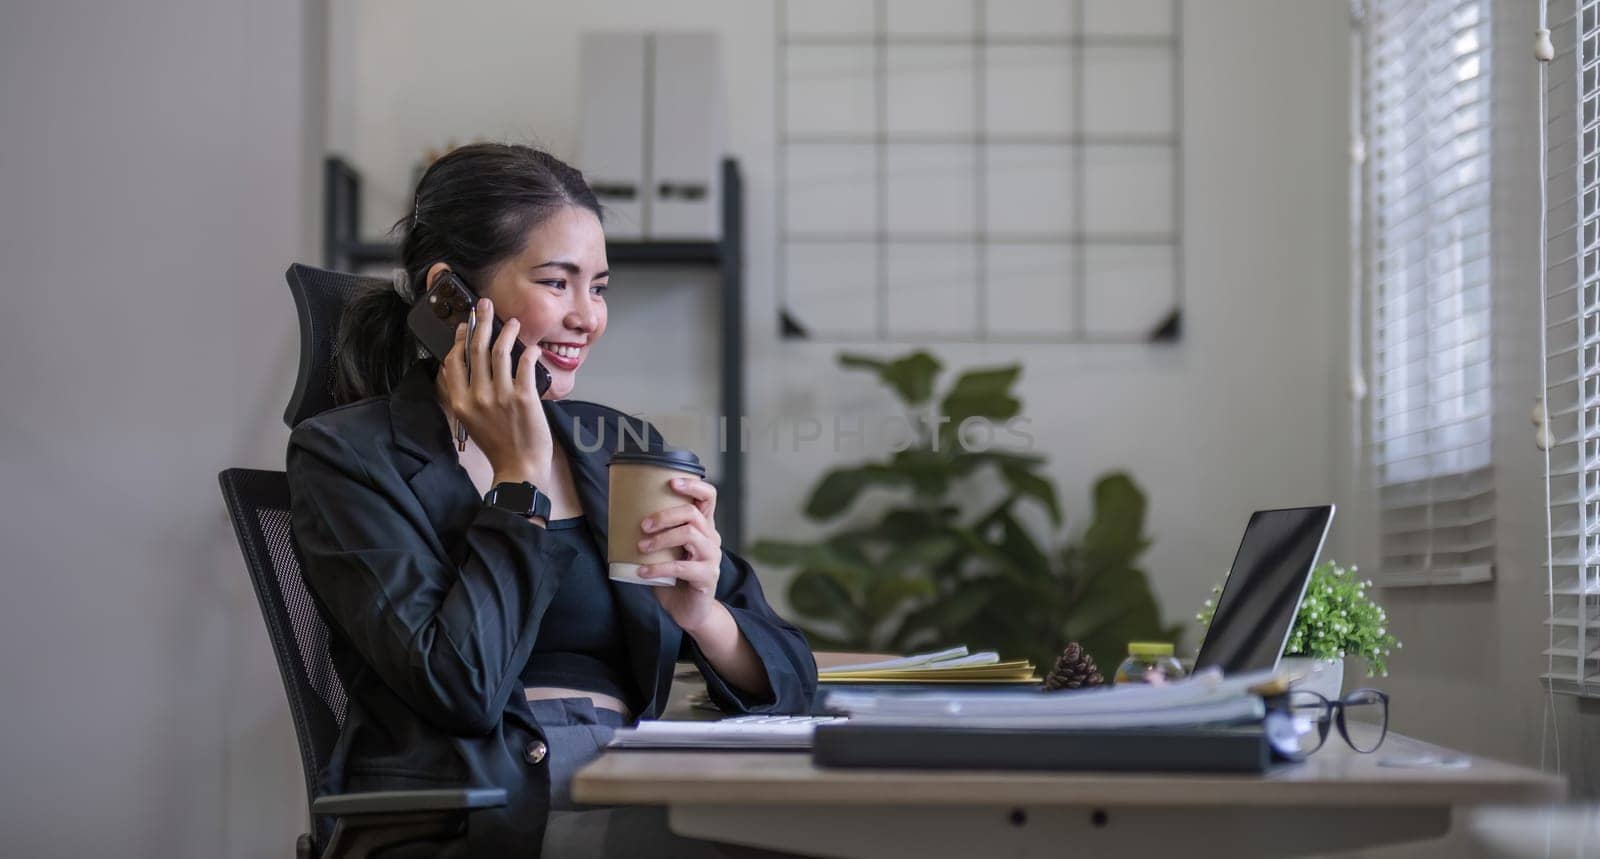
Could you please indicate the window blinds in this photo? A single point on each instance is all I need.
(1426, 124)
(1572, 338)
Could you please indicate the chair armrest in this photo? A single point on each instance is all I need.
(408, 801)
(366, 823)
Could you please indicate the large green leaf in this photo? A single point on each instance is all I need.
(836, 555)
(1029, 485)
(978, 544)
(1019, 547)
(1005, 623)
(1026, 607)
(814, 593)
(886, 594)
(1119, 610)
(1116, 535)
(922, 554)
(928, 473)
(781, 553)
(1112, 602)
(851, 549)
(838, 488)
(907, 524)
(911, 376)
(985, 381)
(944, 620)
(899, 526)
(982, 393)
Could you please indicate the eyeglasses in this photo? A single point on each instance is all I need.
(1299, 722)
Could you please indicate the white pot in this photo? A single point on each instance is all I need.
(1323, 676)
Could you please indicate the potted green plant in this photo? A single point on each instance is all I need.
(939, 566)
(1337, 620)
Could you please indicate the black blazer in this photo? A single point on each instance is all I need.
(433, 601)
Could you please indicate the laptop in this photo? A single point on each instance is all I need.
(1259, 601)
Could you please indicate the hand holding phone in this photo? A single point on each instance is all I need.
(434, 317)
(504, 414)
(478, 385)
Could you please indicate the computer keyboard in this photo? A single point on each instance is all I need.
(736, 732)
(774, 721)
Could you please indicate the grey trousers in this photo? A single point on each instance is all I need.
(576, 731)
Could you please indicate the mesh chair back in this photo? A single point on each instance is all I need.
(320, 297)
(258, 504)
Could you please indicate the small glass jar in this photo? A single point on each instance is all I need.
(1149, 662)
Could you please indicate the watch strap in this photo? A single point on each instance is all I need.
(523, 499)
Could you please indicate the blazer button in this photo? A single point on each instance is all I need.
(536, 752)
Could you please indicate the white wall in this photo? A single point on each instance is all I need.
(1234, 418)
(158, 175)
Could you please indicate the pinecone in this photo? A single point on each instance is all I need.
(1075, 669)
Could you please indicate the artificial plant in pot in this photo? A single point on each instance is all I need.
(939, 566)
(1337, 620)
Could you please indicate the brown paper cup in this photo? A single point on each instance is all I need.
(640, 486)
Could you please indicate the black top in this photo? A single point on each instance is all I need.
(580, 643)
(434, 600)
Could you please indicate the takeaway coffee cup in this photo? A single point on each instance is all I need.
(640, 486)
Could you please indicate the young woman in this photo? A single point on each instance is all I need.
(482, 645)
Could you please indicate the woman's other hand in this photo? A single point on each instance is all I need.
(692, 528)
(502, 413)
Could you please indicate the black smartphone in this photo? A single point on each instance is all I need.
(434, 317)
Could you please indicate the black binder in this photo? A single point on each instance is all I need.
(1219, 749)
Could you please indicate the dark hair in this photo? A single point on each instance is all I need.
(474, 208)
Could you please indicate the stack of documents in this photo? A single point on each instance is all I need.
(954, 665)
(927, 670)
(1205, 698)
(896, 727)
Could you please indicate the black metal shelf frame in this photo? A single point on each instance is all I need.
(344, 250)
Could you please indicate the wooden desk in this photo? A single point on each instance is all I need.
(1339, 800)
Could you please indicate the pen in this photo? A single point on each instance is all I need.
(466, 357)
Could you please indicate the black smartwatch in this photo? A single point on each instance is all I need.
(523, 499)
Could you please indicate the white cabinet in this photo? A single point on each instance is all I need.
(686, 137)
(611, 133)
(653, 132)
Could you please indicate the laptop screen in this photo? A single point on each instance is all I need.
(1263, 591)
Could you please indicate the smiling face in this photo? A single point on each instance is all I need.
(556, 287)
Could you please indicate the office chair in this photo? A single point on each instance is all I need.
(343, 825)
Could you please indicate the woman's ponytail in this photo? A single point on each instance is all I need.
(374, 346)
